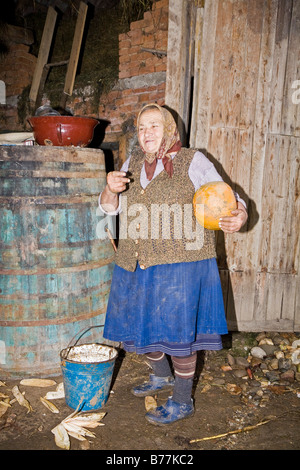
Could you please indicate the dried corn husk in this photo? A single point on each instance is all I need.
(61, 437)
(69, 426)
(75, 425)
(90, 421)
(20, 399)
(58, 393)
(5, 402)
(3, 410)
(38, 382)
(3, 407)
(76, 435)
(150, 403)
(49, 405)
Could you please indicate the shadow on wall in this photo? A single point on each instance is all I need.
(253, 218)
(106, 147)
(99, 133)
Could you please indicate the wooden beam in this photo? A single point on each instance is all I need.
(43, 52)
(74, 56)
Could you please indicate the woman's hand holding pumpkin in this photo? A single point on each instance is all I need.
(236, 222)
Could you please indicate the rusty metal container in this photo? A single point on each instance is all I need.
(55, 273)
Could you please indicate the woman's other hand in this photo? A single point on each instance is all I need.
(116, 184)
(116, 181)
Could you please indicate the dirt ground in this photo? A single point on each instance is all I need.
(125, 429)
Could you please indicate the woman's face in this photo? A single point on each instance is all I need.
(151, 130)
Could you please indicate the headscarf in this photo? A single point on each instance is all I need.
(170, 143)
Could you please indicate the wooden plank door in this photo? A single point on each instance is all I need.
(244, 118)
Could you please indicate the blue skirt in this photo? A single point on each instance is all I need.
(174, 308)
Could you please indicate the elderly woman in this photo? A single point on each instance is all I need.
(166, 296)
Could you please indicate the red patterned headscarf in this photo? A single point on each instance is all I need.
(170, 143)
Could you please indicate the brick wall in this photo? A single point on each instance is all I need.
(141, 73)
(16, 71)
(148, 33)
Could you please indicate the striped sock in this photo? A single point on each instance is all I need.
(185, 366)
(184, 369)
(159, 364)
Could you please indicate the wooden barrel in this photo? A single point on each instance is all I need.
(55, 273)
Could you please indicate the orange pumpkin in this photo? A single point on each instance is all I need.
(211, 202)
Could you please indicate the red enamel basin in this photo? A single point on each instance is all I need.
(63, 131)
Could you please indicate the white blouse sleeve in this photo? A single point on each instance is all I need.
(202, 171)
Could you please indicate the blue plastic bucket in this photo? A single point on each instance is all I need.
(87, 373)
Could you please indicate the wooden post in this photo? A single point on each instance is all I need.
(180, 58)
(73, 61)
(43, 52)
